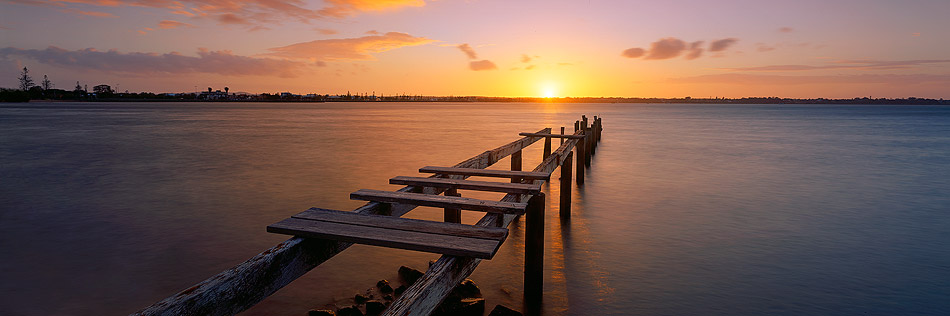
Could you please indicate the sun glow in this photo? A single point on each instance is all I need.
(549, 90)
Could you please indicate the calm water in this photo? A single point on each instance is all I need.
(687, 210)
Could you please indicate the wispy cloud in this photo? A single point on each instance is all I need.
(89, 13)
(671, 47)
(147, 64)
(345, 8)
(465, 48)
(237, 11)
(482, 65)
(326, 31)
(172, 24)
(359, 48)
(476, 65)
(846, 64)
(723, 44)
(785, 29)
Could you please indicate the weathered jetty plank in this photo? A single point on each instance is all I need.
(425, 295)
(394, 232)
(246, 284)
(551, 135)
(439, 201)
(522, 188)
(471, 172)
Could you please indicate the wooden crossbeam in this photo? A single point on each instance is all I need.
(516, 188)
(487, 173)
(387, 231)
(551, 135)
(439, 201)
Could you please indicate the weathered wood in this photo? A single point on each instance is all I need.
(547, 147)
(438, 201)
(581, 156)
(534, 250)
(246, 284)
(449, 214)
(485, 173)
(408, 234)
(552, 135)
(399, 223)
(566, 165)
(516, 165)
(522, 188)
(562, 134)
(425, 295)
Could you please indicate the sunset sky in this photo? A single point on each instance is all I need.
(801, 49)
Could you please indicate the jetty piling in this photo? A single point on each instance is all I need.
(320, 234)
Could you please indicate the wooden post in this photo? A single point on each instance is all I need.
(547, 147)
(562, 133)
(452, 215)
(566, 185)
(577, 125)
(516, 165)
(587, 146)
(579, 171)
(534, 251)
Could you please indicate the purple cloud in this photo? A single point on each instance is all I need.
(723, 44)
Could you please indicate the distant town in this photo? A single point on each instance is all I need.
(45, 91)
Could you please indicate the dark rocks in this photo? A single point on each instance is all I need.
(504, 311)
(468, 289)
(321, 312)
(384, 287)
(398, 291)
(409, 275)
(349, 311)
(388, 297)
(375, 307)
(360, 299)
(471, 306)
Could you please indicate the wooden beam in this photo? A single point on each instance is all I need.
(439, 201)
(566, 173)
(394, 232)
(246, 284)
(551, 135)
(471, 172)
(522, 188)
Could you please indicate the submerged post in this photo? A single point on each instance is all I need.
(516, 165)
(565, 188)
(534, 250)
(547, 147)
(452, 215)
(579, 171)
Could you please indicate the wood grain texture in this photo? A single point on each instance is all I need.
(246, 284)
(485, 173)
(418, 239)
(522, 188)
(398, 223)
(439, 201)
(552, 135)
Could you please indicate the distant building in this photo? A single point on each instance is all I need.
(102, 89)
(213, 95)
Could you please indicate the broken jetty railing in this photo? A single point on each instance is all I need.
(320, 234)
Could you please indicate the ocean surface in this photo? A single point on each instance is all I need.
(687, 210)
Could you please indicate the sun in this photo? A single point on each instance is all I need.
(549, 90)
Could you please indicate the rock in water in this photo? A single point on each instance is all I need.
(375, 307)
(468, 289)
(384, 287)
(409, 275)
(360, 299)
(400, 289)
(349, 311)
(321, 312)
(471, 306)
(504, 311)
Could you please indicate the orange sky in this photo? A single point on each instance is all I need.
(835, 49)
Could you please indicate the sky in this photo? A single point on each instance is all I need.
(796, 49)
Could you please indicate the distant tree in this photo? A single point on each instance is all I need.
(209, 89)
(46, 84)
(26, 82)
(78, 87)
(226, 90)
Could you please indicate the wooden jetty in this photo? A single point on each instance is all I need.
(320, 234)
